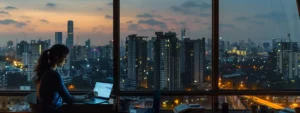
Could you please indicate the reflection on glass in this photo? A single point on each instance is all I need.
(166, 103)
(13, 104)
(165, 47)
(259, 48)
(272, 102)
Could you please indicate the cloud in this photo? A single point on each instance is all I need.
(153, 22)
(10, 8)
(169, 19)
(274, 16)
(99, 9)
(108, 17)
(145, 15)
(229, 26)
(98, 28)
(148, 15)
(44, 21)
(193, 4)
(181, 23)
(25, 17)
(248, 19)
(205, 15)
(241, 18)
(12, 22)
(111, 4)
(129, 22)
(146, 30)
(51, 5)
(185, 8)
(133, 27)
(181, 10)
(4, 12)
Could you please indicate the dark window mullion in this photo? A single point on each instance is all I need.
(215, 52)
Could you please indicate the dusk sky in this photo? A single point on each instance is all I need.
(239, 19)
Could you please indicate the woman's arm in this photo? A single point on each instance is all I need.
(62, 90)
(66, 96)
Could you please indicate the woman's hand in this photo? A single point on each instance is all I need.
(90, 95)
(82, 98)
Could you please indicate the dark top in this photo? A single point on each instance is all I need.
(51, 92)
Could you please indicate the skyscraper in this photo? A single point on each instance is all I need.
(182, 34)
(70, 39)
(58, 37)
(70, 43)
(88, 44)
(30, 60)
(105, 52)
(150, 48)
(288, 59)
(10, 44)
(111, 48)
(80, 53)
(22, 47)
(266, 47)
(194, 61)
(38, 46)
(122, 49)
(166, 61)
(136, 61)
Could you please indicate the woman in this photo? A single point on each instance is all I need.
(51, 91)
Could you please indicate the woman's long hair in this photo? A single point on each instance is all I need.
(48, 59)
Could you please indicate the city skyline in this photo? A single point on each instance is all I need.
(93, 19)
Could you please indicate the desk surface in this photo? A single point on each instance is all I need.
(77, 107)
(31, 99)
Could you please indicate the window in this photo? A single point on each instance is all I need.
(259, 47)
(34, 26)
(169, 47)
(171, 39)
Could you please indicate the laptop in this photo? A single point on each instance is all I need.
(102, 93)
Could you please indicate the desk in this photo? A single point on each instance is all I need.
(76, 107)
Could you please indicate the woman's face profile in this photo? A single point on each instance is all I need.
(62, 61)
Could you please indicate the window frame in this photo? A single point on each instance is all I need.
(215, 91)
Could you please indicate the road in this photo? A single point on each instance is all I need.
(264, 102)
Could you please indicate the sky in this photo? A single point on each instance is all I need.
(260, 20)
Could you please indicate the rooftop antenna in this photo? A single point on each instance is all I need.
(187, 31)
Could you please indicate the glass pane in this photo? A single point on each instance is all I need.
(13, 104)
(167, 103)
(274, 103)
(30, 27)
(259, 45)
(165, 45)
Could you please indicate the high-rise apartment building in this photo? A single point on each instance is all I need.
(193, 61)
(22, 47)
(136, 57)
(58, 37)
(288, 59)
(166, 61)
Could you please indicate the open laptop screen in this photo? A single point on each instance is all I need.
(103, 89)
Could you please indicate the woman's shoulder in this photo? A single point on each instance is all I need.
(51, 72)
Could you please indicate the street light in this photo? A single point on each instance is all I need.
(176, 101)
